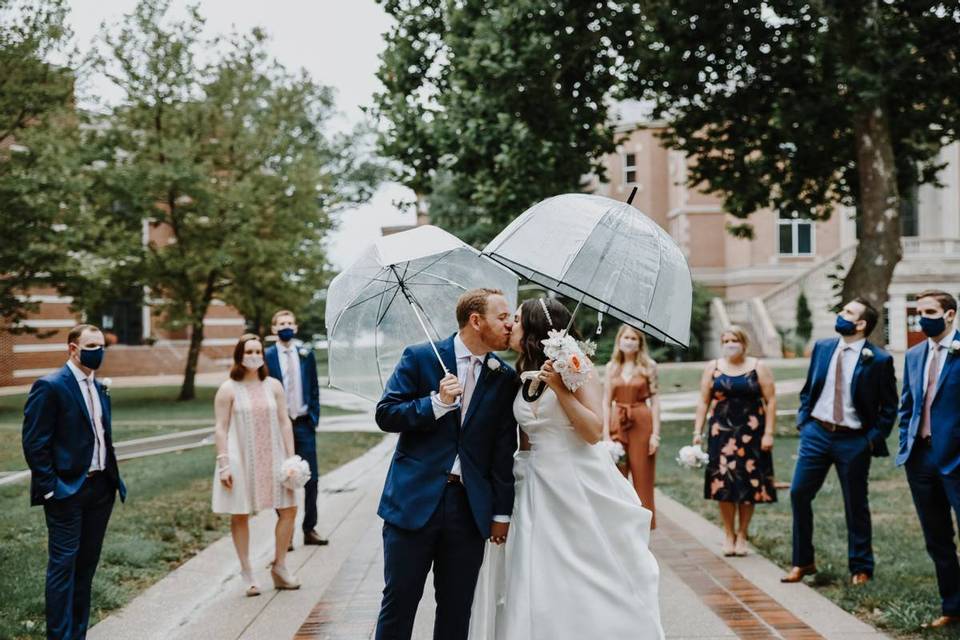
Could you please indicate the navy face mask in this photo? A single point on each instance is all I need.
(286, 334)
(91, 358)
(933, 327)
(844, 327)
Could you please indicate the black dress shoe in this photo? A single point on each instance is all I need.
(312, 537)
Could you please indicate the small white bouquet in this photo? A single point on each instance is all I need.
(615, 449)
(692, 457)
(294, 472)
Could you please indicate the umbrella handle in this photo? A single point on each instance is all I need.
(423, 325)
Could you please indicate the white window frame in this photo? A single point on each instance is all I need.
(794, 224)
(627, 168)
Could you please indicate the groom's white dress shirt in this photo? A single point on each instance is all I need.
(92, 399)
(290, 371)
(464, 358)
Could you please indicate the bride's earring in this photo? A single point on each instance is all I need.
(532, 396)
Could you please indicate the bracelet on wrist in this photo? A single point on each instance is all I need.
(222, 456)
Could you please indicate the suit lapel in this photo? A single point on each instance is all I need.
(947, 366)
(104, 408)
(822, 369)
(77, 392)
(916, 361)
(857, 370)
(273, 362)
(448, 355)
(479, 391)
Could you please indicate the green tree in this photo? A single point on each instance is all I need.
(489, 107)
(224, 152)
(34, 180)
(804, 319)
(802, 105)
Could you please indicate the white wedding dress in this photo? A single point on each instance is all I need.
(576, 563)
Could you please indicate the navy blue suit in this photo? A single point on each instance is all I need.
(428, 521)
(874, 394)
(304, 428)
(58, 442)
(933, 468)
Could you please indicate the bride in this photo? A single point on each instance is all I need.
(576, 563)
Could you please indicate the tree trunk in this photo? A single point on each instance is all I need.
(198, 313)
(879, 250)
(188, 388)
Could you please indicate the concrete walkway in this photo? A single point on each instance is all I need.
(702, 594)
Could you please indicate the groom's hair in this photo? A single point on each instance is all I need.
(473, 301)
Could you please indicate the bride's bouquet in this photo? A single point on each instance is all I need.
(294, 472)
(692, 457)
(570, 358)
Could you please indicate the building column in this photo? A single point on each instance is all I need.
(897, 322)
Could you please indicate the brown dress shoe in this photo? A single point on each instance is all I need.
(943, 621)
(796, 573)
(860, 579)
(312, 537)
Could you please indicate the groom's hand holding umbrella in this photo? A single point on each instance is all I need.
(450, 389)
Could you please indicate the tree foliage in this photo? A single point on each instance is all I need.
(223, 152)
(34, 181)
(798, 106)
(491, 106)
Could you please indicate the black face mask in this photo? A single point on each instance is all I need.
(92, 358)
(932, 327)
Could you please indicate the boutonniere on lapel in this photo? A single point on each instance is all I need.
(493, 364)
(866, 355)
(304, 349)
(106, 383)
(954, 347)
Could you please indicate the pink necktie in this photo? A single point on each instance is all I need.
(469, 383)
(838, 389)
(94, 421)
(930, 391)
(293, 385)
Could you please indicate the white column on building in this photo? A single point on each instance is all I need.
(950, 194)
(897, 322)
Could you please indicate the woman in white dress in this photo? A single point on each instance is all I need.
(254, 436)
(576, 563)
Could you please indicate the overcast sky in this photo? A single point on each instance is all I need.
(337, 41)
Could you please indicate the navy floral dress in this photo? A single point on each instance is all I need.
(738, 471)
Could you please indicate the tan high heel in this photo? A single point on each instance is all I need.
(740, 548)
(253, 589)
(283, 580)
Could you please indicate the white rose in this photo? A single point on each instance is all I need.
(493, 364)
(866, 354)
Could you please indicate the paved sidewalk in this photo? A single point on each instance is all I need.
(702, 594)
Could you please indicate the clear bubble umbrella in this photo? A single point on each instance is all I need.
(604, 254)
(403, 289)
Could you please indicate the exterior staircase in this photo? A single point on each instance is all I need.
(762, 315)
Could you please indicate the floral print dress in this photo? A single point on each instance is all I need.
(738, 470)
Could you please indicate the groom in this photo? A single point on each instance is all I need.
(450, 484)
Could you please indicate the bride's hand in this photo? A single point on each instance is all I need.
(550, 377)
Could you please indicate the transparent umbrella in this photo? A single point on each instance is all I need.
(604, 254)
(403, 289)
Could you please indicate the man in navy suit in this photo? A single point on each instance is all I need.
(847, 409)
(930, 440)
(74, 475)
(450, 484)
(296, 368)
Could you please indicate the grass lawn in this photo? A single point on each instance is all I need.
(673, 379)
(903, 593)
(165, 521)
(138, 412)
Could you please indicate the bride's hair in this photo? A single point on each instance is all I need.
(535, 325)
